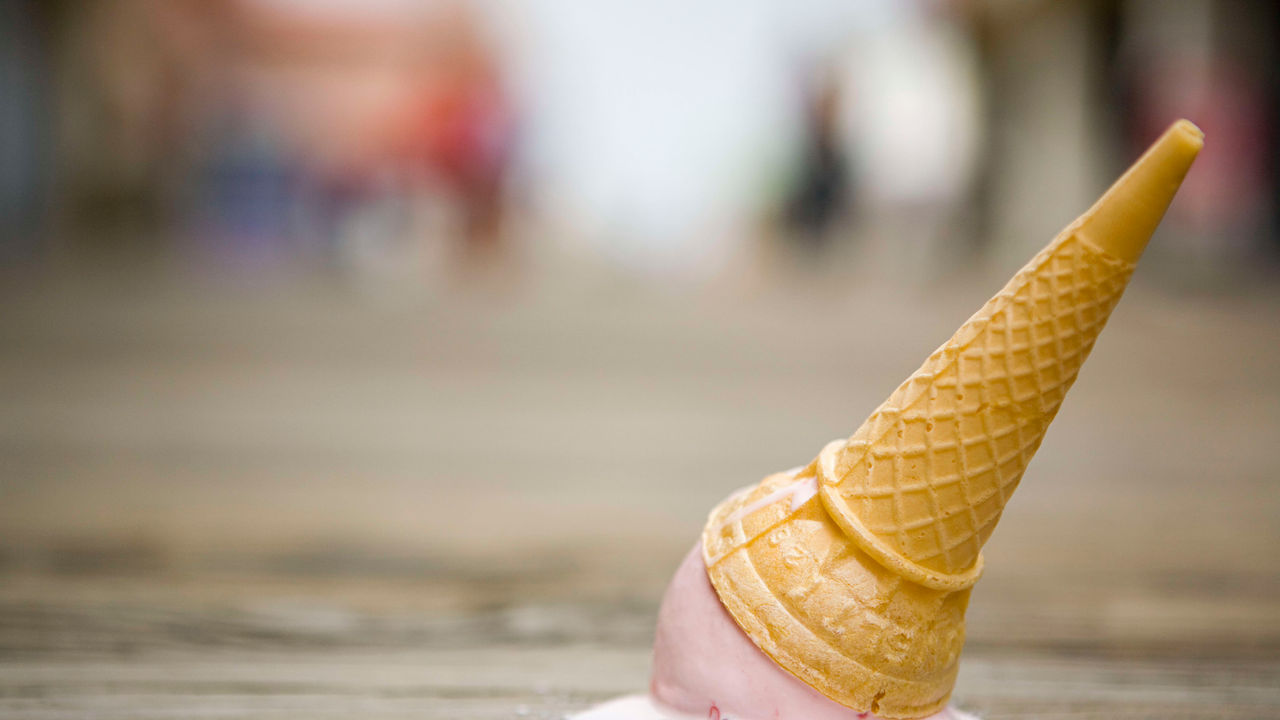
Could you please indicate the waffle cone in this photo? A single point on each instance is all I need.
(859, 584)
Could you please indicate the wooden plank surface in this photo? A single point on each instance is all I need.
(317, 502)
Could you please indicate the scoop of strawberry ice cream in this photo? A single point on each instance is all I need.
(705, 667)
(703, 664)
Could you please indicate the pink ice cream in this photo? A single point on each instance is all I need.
(704, 667)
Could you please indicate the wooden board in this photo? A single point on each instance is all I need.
(313, 503)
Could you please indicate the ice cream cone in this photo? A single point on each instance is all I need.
(854, 572)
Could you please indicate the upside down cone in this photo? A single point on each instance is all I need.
(853, 574)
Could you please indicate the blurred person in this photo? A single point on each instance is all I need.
(25, 114)
(891, 138)
(282, 130)
(457, 125)
(822, 193)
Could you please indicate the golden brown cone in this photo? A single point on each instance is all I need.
(859, 584)
(922, 483)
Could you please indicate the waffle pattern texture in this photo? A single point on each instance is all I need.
(861, 591)
(828, 612)
(924, 480)
(859, 585)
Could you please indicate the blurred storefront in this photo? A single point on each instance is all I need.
(414, 140)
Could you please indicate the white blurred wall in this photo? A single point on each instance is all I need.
(657, 127)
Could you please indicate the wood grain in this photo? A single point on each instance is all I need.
(308, 502)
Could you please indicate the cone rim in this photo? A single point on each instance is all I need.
(892, 560)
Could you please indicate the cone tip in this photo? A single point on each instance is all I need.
(1184, 139)
(1125, 217)
(1188, 130)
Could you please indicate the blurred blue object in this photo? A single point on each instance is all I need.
(25, 128)
(246, 194)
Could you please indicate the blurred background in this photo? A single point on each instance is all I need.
(429, 332)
